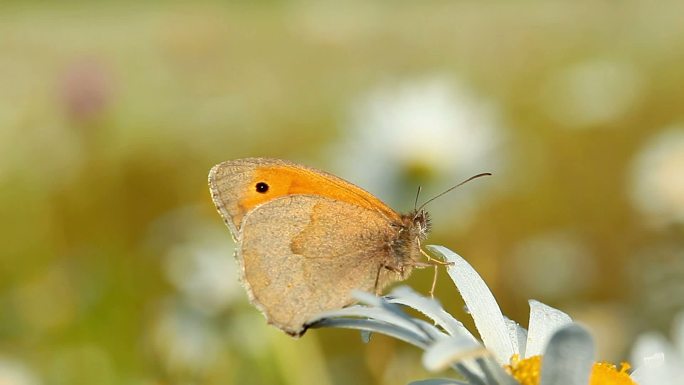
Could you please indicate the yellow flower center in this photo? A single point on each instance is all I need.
(528, 372)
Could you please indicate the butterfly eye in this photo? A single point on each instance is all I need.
(261, 187)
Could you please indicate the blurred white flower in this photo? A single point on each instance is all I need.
(200, 263)
(182, 334)
(429, 131)
(183, 340)
(591, 93)
(659, 361)
(556, 263)
(657, 177)
(205, 274)
(257, 341)
(655, 272)
(13, 372)
(552, 351)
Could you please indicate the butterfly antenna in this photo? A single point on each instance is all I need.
(453, 187)
(415, 204)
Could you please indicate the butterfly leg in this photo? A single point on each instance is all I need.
(435, 263)
(377, 280)
(431, 261)
(378, 289)
(399, 270)
(434, 283)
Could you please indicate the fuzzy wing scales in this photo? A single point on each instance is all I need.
(304, 254)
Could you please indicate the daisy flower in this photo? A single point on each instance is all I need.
(660, 362)
(657, 180)
(553, 350)
(423, 131)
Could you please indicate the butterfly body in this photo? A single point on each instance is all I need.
(306, 239)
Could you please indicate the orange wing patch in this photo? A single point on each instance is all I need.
(283, 180)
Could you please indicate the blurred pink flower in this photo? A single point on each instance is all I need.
(85, 89)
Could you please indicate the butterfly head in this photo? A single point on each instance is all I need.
(420, 221)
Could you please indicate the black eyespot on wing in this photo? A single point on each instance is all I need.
(261, 187)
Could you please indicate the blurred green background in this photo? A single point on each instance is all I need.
(116, 269)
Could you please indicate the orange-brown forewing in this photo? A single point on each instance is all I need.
(233, 187)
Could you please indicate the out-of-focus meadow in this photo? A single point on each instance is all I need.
(116, 269)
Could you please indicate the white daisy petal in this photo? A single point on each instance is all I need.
(374, 313)
(568, 358)
(483, 307)
(467, 368)
(366, 336)
(495, 374)
(649, 376)
(473, 377)
(544, 322)
(404, 295)
(444, 353)
(432, 331)
(395, 312)
(373, 326)
(649, 350)
(518, 336)
(649, 356)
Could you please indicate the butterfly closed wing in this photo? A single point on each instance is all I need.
(306, 238)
